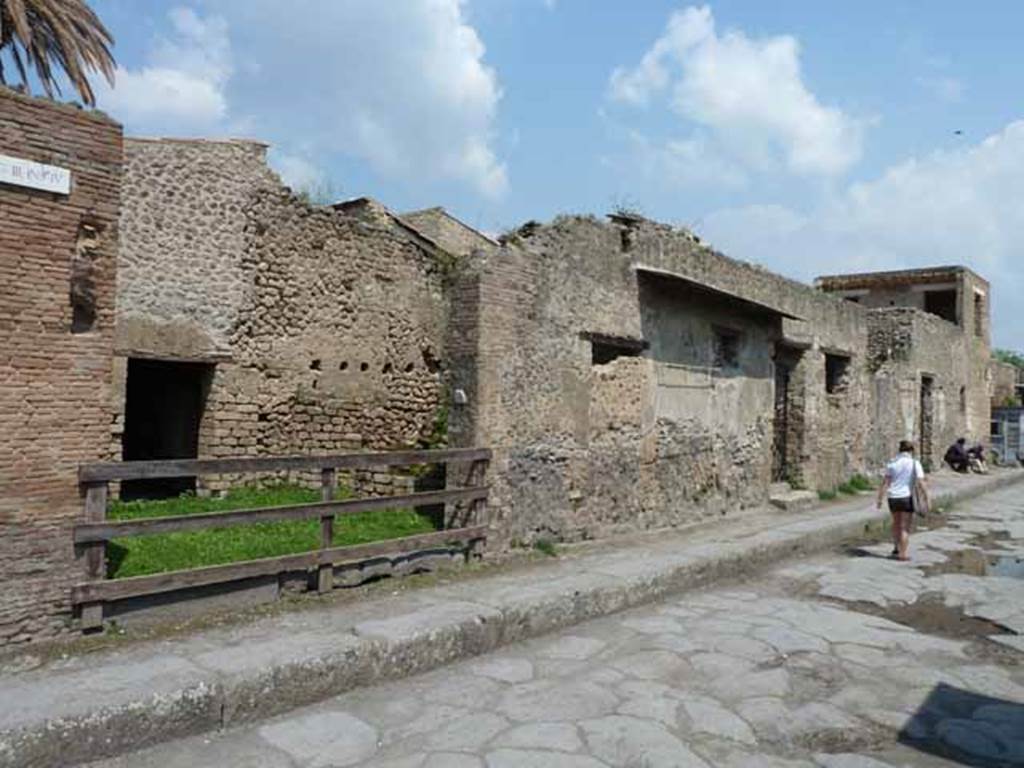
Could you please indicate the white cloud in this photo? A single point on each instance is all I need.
(963, 206)
(401, 86)
(296, 171)
(747, 95)
(181, 88)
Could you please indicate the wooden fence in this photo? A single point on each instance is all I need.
(91, 535)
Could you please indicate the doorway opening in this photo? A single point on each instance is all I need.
(787, 421)
(927, 416)
(164, 406)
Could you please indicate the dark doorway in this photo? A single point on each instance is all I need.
(926, 418)
(787, 418)
(163, 409)
(780, 426)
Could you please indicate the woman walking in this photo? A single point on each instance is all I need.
(903, 475)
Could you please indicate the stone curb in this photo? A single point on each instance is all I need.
(386, 649)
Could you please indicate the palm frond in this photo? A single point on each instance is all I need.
(51, 35)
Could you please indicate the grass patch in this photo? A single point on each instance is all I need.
(144, 555)
(861, 483)
(828, 495)
(546, 547)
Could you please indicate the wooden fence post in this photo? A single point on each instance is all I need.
(325, 572)
(478, 507)
(95, 552)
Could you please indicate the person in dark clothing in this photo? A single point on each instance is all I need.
(956, 455)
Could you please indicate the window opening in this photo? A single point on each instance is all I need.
(979, 314)
(941, 304)
(604, 348)
(837, 374)
(727, 348)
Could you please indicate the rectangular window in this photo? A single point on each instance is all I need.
(941, 304)
(837, 374)
(979, 314)
(726, 349)
(604, 348)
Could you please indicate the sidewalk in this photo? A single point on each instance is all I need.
(109, 702)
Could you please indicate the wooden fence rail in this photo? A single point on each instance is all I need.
(93, 533)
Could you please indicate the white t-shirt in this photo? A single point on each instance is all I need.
(901, 472)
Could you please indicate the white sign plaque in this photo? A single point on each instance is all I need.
(25, 173)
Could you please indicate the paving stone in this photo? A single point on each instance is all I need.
(544, 701)
(458, 689)
(452, 760)
(507, 670)
(848, 761)
(562, 737)
(661, 709)
(523, 758)
(654, 625)
(716, 665)
(790, 640)
(231, 750)
(622, 741)
(467, 734)
(323, 738)
(573, 647)
(770, 682)
(708, 716)
(652, 665)
(432, 718)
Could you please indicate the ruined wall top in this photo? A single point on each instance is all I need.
(895, 278)
(455, 236)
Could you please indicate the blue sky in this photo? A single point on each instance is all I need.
(808, 136)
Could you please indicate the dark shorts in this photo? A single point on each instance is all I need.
(902, 505)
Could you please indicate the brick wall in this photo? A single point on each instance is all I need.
(54, 400)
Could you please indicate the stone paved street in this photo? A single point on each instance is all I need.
(849, 659)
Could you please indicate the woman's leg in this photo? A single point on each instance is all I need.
(904, 541)
(895, 531)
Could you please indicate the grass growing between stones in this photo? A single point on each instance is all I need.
(144, 555)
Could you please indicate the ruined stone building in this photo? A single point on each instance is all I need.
(180, 301)
(251, 323)
(1007, 384)
(928, 354)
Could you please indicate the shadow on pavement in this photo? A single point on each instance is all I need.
(967, 728)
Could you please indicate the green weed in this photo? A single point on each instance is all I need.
(546, 547)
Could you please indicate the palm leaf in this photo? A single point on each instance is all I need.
(51, 35)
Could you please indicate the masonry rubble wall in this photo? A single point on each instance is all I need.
(451, 234)
(55, 365)
(656, 439)
(1005, 380)
(907, 346)
(325, 330)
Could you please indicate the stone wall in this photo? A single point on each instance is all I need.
(325, 330)
(665, 437)
(908, 346)
(444, 229)
(1005, 379)
(55, 365)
